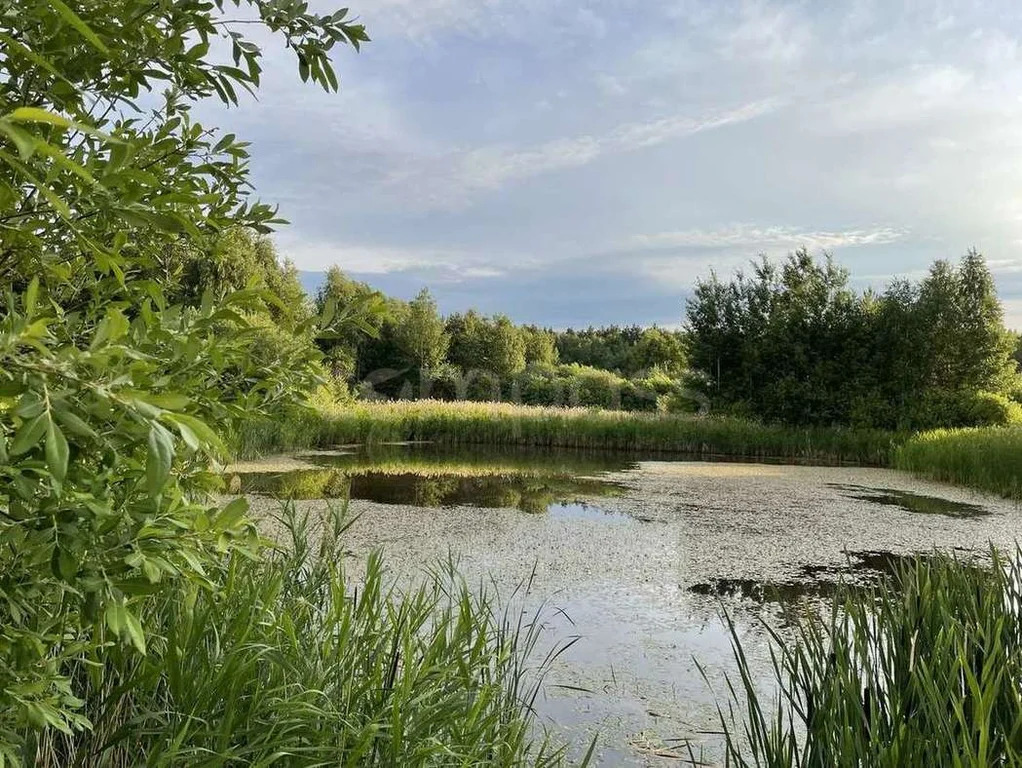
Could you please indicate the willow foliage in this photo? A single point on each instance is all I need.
(112, 398)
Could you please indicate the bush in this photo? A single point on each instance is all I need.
(987, 409)
(944, 408)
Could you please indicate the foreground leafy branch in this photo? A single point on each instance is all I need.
(113, 399)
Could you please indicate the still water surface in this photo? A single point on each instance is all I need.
(637, 556)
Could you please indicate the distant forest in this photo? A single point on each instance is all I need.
(407, 349)
(788, 342)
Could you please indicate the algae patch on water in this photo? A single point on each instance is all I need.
(911, 502)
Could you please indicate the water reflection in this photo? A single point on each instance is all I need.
(584, 511)
(432, 476)
(911, 502)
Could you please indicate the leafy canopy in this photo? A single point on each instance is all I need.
(114, 399)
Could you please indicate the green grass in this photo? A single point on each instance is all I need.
(285, 664)
(923, 672)
(507, 424)
(987, 458)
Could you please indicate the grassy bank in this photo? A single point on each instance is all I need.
(284, 664)
(924, 672)
(989, 459)
(507, 424)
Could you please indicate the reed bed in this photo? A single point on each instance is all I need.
(509, 424)
(922, 671)
(988, 458)
(285, 663)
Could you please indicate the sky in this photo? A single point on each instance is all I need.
(577, 162)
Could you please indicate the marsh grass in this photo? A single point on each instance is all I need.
(989, 458)
(285, 663)
(510, 424)
(922, 671)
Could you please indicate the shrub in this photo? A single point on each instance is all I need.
(947, 408)
(117, 398)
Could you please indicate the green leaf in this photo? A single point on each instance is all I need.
(83, 29)
(232, 514)
(160, 459)
(329, 310)
(188, 435)
(28, 435)
(23, 140)
(63, 564)
(74, 424)
(207, 436)
(31, 293)
(56, 451)
(134, 629)
(37, 115)
(114, 617)
(172, 401)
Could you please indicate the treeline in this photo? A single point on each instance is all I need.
(794, 343)
(407, 350)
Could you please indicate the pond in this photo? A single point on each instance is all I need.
(637, 555)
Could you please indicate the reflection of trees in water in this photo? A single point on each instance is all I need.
(528, 492)
(297, 484)
(430, 459)
(432, 491)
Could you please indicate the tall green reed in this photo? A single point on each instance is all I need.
(510, 424)
(285, 662)
(923, 671)
(988, 458)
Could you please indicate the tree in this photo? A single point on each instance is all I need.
(795, 344)
(346, 349)
(421, 336)
(984, 347)
(540, 346)
(237, 259)
(467, 348)
(481, 344)
(659, 349)
(114, 399)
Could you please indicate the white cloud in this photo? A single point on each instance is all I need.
(1005, 266)
(434, 264)
(426, 20)
(752, 238)
(382, 259)
(768, 32)
(452, 180)
(1012, 313)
